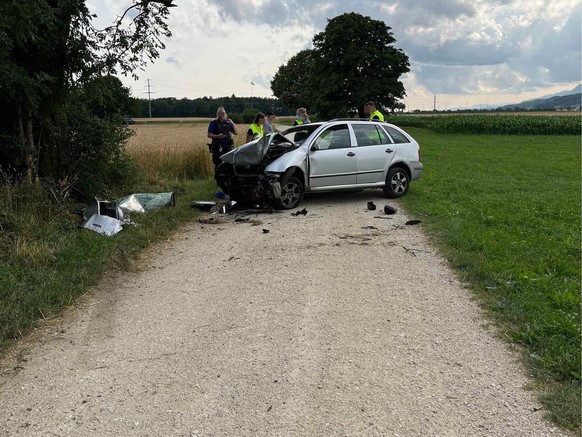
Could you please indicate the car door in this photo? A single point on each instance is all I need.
(375, 152)
(332, 161)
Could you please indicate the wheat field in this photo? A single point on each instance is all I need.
(174, 151)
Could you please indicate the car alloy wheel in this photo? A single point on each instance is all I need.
(396, 183)
(399, 183)
(291, 193)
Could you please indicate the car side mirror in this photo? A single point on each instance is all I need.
(313, 148)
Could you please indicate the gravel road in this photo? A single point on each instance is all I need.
(340, 322)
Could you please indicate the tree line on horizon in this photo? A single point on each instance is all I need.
(238, 108)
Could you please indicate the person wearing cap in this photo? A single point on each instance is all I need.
(370, 109)
(301, 117)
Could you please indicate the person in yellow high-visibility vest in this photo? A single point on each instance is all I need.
(301, 117)
(256, 128)
(370, 109)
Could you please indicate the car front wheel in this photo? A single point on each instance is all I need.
(397, 183)
(291, 194)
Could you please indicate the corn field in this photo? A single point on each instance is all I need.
(493, 124)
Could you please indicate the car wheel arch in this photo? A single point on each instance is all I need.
(403, 166)
(293, 172)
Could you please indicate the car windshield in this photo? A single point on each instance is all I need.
(298, 134)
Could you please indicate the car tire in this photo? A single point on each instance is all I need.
(397, 183)
(291, 194)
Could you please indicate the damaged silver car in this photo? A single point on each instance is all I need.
(280, 168)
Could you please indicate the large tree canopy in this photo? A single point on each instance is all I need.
(353, 60)
(290, 82)
(49, 54)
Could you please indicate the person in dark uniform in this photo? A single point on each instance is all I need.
(220, 131)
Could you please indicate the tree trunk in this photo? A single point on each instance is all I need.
(31, 155)
(26, 139)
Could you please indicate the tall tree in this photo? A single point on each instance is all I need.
(49, 50)
(353, 60)
(290, 82)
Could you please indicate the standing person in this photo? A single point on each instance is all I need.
(219, 131)
(301, 117)
(268, 128)
(370, 109)
(256, 129)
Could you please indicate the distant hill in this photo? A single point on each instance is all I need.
(566, 100)
(577, 89)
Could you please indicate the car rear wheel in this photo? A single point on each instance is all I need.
(397, 183)
(291, 194)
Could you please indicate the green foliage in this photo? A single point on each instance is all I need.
(507, 212)
(494, 124)
(290, 81)
(90, 153)
(52, 63)
(106, 98)
(249, 114)
(101, 167)
(354, 61)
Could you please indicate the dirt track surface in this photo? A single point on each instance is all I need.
(334, 323)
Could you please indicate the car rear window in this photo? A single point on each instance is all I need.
(396, 135)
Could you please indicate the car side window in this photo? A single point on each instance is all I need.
(336, 137)
(396, 135)
(370, 135)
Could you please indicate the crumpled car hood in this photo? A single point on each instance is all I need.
(251, 153)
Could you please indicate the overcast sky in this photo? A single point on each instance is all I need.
(464, 52)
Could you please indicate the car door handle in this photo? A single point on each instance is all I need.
(351, 154)
(389, 150)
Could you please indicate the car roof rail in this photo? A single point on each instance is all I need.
(352, 119)
(348, 119)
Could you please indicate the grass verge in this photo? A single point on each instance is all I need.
(47, 262)
(506, 212)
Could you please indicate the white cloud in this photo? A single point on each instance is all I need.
(478, 49)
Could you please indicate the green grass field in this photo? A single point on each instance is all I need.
(506, 212)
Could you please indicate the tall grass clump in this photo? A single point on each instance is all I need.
(33, 227)
(506, 211)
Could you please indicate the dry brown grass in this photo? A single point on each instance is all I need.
(174, 151)
(146, 120)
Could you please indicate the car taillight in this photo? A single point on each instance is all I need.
(419, 155)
